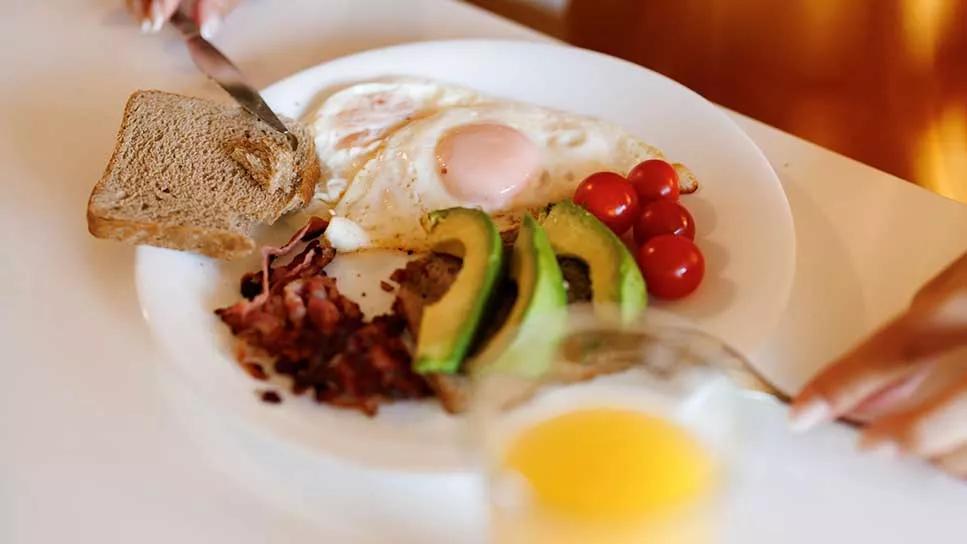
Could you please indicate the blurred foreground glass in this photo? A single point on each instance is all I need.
(640, 453)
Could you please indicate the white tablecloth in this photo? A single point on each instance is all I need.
(99, 444)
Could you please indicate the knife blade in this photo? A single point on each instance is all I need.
(214, 64)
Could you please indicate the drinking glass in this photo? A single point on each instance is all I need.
(625, 436)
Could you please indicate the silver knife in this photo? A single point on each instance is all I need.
(216, 65)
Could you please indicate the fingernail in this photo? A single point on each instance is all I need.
(146, 25)
(157, 16)
(211, 26)
(809, 415)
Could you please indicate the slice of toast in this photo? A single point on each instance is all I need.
(196, 175)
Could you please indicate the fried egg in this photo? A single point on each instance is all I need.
(352, 123)
(502, 157)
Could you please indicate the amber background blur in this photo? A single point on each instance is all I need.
(881, 81)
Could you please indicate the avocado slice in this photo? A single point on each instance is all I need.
(448, 326)
(617, 286)
(526, 342)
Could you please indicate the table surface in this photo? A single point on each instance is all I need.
(100, 444)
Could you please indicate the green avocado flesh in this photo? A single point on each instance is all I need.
(448, 326)
(526, 342)
(617, 288)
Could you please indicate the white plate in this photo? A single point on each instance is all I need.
(744, 228)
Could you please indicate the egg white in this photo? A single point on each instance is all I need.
(352, 123)
(401, 182)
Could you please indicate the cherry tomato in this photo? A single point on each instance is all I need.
(663, 217)
(672, 266)
(610, 198)
(654, 179)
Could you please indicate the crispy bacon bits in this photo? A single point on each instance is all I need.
(270, 397)
(294, 314)
(255, 370)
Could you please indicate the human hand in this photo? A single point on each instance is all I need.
(207, 13)
(870, 382)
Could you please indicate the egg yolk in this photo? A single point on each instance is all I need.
(486, 163)
(606, 464)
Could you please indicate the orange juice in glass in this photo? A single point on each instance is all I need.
(635, 455)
